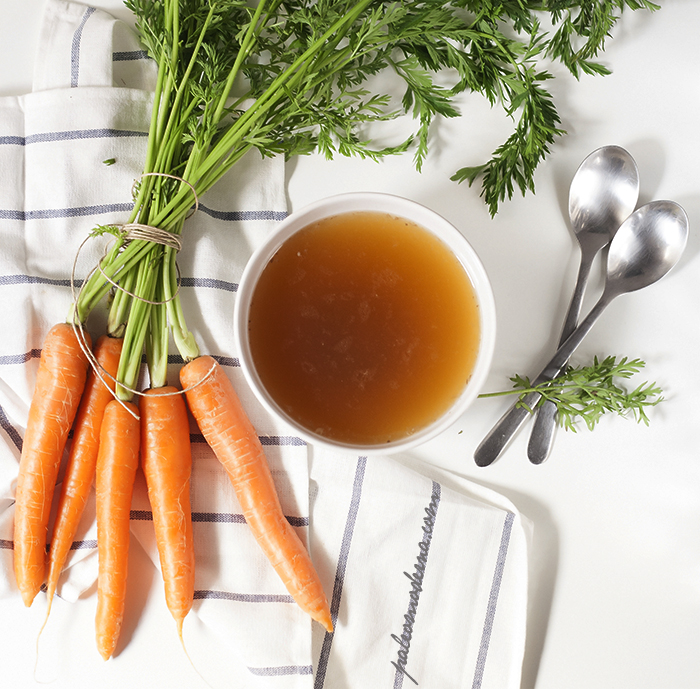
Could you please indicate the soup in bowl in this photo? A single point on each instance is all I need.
(366, 322)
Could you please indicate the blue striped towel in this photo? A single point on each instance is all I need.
(426, 574)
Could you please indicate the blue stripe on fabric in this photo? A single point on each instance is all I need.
(281, 670)
(282, 440)
(230, 361)
(208, 283)
(241, 216)
(493, 601)
(75, 48)
(48, 213)
(76, 212)
(265, 440)
(214, 517)
(11, 431)
(211, 283)
(7, 280)
(234, 518)
(350, 521)
(141, 515)
(70, 135)
(207, 594)
(128, 55)
(16, 359)
(88, 544)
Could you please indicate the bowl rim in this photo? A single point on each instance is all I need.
(430, 221)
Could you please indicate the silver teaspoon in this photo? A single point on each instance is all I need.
(647, 245)
(603, 193)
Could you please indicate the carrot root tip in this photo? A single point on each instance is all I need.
(28, 598)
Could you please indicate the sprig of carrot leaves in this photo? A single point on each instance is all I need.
(436, 49)
(588, 392)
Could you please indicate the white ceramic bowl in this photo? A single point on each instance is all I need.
(397, 206)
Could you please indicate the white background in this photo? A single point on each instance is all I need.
(615, 558)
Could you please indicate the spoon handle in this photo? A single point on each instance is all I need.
(546, 415)
(505, 428)
(497, 438)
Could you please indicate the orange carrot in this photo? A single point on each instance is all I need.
(166, 460)
(80, 470)
(226, 427)
(59, 385)
(117, 461)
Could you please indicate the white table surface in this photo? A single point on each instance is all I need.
(615, 557)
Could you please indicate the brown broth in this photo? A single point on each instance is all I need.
(364, 328)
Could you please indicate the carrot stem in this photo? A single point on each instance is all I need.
(121, 305)
(137, 325)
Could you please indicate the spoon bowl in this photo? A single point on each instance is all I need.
(646, 246)
(603, 193)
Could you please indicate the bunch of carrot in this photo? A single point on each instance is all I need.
(109, 437)
(95, 392)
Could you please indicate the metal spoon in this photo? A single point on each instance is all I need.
(647, 245)
(603, 193)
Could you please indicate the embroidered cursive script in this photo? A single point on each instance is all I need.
(416, 579)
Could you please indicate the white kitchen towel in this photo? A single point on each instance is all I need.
(427, 579)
